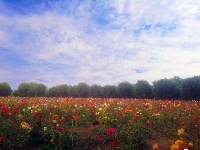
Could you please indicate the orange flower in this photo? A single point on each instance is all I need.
(63, 119)
(55, 117)
(155, 146)
(19, 115)
(10, 113)
(52, 141)
(74, 117)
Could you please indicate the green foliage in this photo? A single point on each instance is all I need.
(15, 93)
(125, 90)
(40, 89)
(109, 91)
(82, 89)
(95, 91)
(143, 89)
(191, 88)
(52, 92)
(63, 90)
(31, 89)
(23, 89)
(73, 91)
(5, 89)
(164, 89)
(173, 88)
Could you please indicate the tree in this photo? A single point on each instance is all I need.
(164, 89)
(109, 91)
(143, 89)
(82, 89)
(23, 89)
(125, 90)
(95, 91)
(73, 91)
(15, 93)
(40, 89)
(32, 89)
(63, 90)
(5, 89)
(52, 92)
(191, 88)
(178, 86)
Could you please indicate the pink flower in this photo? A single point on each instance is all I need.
(137, 116)
(111, 131)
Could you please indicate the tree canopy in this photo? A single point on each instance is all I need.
(5, 89)
(173, 88)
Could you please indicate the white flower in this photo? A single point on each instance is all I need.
(45, 128)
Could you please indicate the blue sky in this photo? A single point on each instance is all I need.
(102, 41)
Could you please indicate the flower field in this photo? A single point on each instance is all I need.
(98, 124)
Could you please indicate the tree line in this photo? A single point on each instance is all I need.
(173, 88)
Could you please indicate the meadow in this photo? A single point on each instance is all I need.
(98, 124)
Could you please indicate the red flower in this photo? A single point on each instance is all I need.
(184, 148)
(2, 105)
(38, 115)
(113, 144)
(95, 123)
(39, 122)
(182, 124)
(2, 138)
(111, 131)
(119, 115)
(59, 128)
(5, 110)
(99, 137)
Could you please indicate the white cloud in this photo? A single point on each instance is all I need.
(159, 38)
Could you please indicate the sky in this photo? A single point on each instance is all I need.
(98, 41)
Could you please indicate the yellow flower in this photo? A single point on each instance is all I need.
(179, 142)
(25, 125)
(180, 131)
(174, 147)
(191, 144)
(36, 106)
(97, 113)
(100, 109)
(178, 105)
